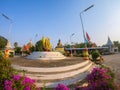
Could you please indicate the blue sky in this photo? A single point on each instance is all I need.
(58, 19)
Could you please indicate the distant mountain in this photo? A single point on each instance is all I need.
(3, 42)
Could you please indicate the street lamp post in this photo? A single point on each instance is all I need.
(86, 49)
(9, 30)
(8, 46)
(71, 43)
(82, 23)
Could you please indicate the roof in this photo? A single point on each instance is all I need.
(92, 48)
(8, 46)
(30, 43)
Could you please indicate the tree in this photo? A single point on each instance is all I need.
(67, 46)
(16, 44)
(39, 46)
(43, 45)
(18, 50)
(79, 45)
(32, 48)
(3, 42)
(117, 44)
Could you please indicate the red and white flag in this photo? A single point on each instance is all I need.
(88, 37)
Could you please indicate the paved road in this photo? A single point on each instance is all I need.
(113, 61)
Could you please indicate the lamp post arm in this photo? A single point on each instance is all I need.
(7, 18)
(88, 8)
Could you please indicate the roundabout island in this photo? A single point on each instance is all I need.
(51, 67)
(53, 72)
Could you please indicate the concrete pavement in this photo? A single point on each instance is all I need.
(113, 61)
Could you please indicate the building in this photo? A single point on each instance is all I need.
(9, 49)
(26, 48)
(111, 47)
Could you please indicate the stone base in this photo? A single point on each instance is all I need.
(46, 56)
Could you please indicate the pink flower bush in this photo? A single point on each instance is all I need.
(17, 77)
(98, 74)
(8, 85)
(20, 83)
(62, 87)
(99, 79)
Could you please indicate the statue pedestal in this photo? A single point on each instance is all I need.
(61, 49)
(46, 56)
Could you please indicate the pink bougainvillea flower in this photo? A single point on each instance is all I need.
(16, 77)
(62, 87)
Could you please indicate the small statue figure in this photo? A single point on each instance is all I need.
(59, 43)
(59, 46)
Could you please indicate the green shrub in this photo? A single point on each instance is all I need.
(95, 55)
(6, 71)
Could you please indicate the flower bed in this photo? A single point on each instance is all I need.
(101, 78)
(18, 82)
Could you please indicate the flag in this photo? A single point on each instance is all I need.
(86, 41)
(88, 37)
